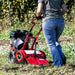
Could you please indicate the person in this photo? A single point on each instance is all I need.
(53, 26)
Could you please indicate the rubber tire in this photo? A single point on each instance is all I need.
(12, 58)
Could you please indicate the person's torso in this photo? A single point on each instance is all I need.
(52, 9)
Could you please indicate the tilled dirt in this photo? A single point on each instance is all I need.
(62, 38)
(4, 42)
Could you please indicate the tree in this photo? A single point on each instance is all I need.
(21, 7)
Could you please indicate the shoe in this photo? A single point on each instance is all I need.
(64, 60)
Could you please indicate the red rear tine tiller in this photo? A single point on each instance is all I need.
(20, 49)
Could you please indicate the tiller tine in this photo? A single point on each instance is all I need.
(37, 61)
(30, 57)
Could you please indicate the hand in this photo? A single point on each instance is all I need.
(39, 17)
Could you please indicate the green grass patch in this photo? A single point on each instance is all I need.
(68, 47)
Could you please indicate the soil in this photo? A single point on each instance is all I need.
(4, 42)
(63, 38)
(38, 70)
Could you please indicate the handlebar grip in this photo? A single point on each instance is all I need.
(35, 19)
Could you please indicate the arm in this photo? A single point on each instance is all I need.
(64, 8)
(39, 9)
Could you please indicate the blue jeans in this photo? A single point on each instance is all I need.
(52, 30)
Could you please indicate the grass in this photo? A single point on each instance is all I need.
(67, 41)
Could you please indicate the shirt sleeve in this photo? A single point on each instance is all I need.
(40, 1)
(62, 2)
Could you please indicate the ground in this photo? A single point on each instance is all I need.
(4, 42)
(27, 69)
